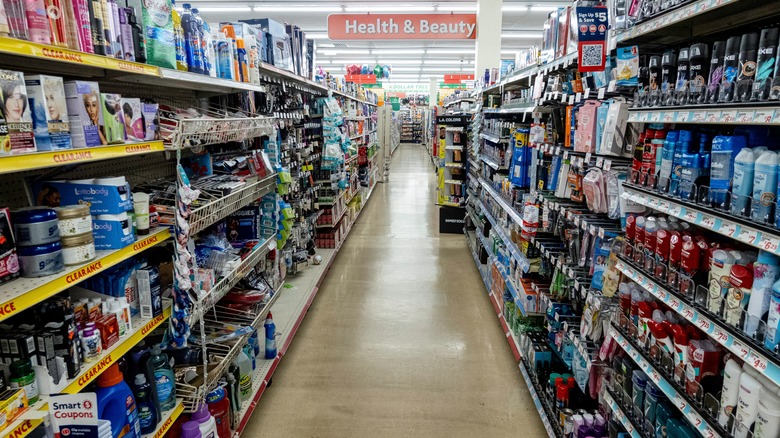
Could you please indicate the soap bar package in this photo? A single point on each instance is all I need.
(16, 115)
(113, 118)
(46, 95)
(158, 30)
(86, 118)
(133, 119)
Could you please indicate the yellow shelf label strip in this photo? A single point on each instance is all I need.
(22, 427)
(18, 163)
(166, 424)
(116, 352)
(21, 47)
(66, 279)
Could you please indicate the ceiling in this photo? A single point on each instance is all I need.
(411, 61)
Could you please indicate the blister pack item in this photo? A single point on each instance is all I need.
(594, 189)
(627, 66)
(613, 183)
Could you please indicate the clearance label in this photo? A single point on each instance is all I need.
(16, 163)
(75, 57)
(24, 428)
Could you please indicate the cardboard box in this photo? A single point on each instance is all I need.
(46, 95)
(12, 403)
(101, 199)
(9, 262)
(279, 48)
(133, 119)
(84, 113)
(113, 118)
(15, 114)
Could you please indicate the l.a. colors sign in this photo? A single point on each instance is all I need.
(402, 26)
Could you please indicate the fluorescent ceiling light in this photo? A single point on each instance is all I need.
(325, 45)
(463, 51)
(417, 69)
(447, 62)
(388, 8)
(526, 35)
(225, 9)
(543, 8)
(317, 36)
(457, 8)
(301, 8)
(343, 52)
(514, 8)
(397, 51)
(442, 70)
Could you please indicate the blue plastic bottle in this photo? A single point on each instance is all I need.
(724, 150)
(667, 159)
(742, 188)
(683, 147)
(270, 337)
(163, 379)
(116, 404)
(204, 41)
(691, 165)
(192, 42)
(764, 186)
(147, 411)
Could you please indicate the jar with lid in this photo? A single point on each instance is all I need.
(78, 249)
(74, 220)
(23, 376)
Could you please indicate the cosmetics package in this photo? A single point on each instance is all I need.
(46, 95)
(132, 116)
(15, 115)
(113, 118)
(84, 112)
(96, 23)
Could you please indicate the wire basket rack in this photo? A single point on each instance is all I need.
(187, 128)
(220, 207)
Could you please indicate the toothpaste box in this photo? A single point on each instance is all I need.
(133, 119)
(82, 99)
(113, 118)
(16, 131)
(46, 95)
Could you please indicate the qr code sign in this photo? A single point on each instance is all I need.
(592, 55)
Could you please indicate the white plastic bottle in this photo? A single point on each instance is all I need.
(720, 267)
(116, 308)
(765, 272)
(747, 402)
(742, 187)
(764, 186)
(206, 422)
(728, 399)
(244, 363)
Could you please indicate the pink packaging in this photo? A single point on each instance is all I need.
(82, 25)
(37, 21)
(584, 138)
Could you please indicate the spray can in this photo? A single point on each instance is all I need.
(730, 70)
(765, 63)
(716, 71)
(748, 52)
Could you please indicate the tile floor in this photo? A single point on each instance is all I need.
(401, 339)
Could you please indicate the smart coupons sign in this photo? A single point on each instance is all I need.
(402, 26)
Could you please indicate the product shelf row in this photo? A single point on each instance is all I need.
(529, 71)
(621, 417)
(22, 293)
(513, 249)
(720, 114)
(491, 162)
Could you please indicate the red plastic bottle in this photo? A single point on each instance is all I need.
(219, 408)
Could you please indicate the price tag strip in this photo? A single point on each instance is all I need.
(716, 330)
(677, 399)
(763, 115)
(750, 236)
(508, 208)
(537, 401)
(621, 417)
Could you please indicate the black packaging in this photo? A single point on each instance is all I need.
(698, 68)
(139, 42)
(716, 71)
(668, 73)
(765, 64)
(654, 80)
(683, 72)
(730, 70)
(774, 92)
(748, 51)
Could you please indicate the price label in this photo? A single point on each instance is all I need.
(612, 85)
(601, 232)
(563, 98)
(576, 221)
(662, 295)
(584, 225)
(592, 230)
(758, 361)
(764, 116)
(740, 349)
(601, 93)
(720, 335)
(699, 116)
(674, 303)
(669, 117)
(691, 216)
(675, 210)
(576, 284)
(707, 221)
(704, 324)
(557, 150)
(680, 402)
(643, 117)
(663, 206)
(587, 157)
(748, 236)
(607, 164)
(729, 116)
(713, 116)
(656, 116)
(745, 116)
(687, 313)
(571, 100)
(729, 228)
(565, 155)
(768, 243)
(599, 162)
(683, 116)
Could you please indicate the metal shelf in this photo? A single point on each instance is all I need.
(537, 400)
(513, 249)
(491, 162)
(716, 114)
(210, 213)
(622, 418)
(493, 138)
(23, 293)
(502, 202)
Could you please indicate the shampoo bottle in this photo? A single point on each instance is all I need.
(742, 188)
(764, 186)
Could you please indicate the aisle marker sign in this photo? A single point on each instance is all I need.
(74, 416)
(402, 26)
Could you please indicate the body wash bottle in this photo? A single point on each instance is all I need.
(766, 271)
(764, 186)
(742, 188)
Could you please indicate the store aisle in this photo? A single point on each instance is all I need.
(401, 338)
